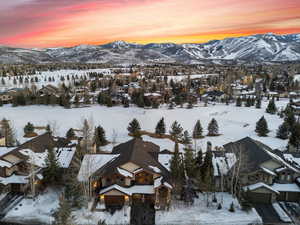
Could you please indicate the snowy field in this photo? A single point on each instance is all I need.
(234, 122)
(44, 76)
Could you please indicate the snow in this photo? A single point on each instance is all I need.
(155, 169)
(268, 171)
(234, 122)
(281, 213)
(5, 150)
(91, 163)
(5, 164)
(222, 165)
(35, 158)
(136, 189)
(65, 156)
(164, 160)
(38, 210)
(290, 158)
(199, 213)
(259, 185)
(14, 179)
(286, 187)
(158, 182)
(86, 217)
(125, 173)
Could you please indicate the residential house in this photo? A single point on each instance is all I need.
(134, 171)
(263, 175)
(22, 165)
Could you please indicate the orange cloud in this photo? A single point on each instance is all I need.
(144, 21)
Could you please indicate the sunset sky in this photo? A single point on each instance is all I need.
(51, 23)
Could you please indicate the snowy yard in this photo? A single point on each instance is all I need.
(234, 122)
(38, 210)
(199, 213)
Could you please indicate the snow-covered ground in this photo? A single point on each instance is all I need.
(199, 213)
(43, 78)
(38, 210)
(234, 122)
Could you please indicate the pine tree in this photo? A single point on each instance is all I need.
(262, 127)
(271, 108)
(248, 102)
(99, 137)
(213, 128)
(186, 139)
(198, 130)
(207, 170)
(283, 131)
(238, 102)
(134, 128)
(176, 130)
(70, 133)
(258, 103)
(199, 158)
(189, 162)
(294, 140)
(63, 214)
(52, 171)
(28, 129)
(176, 169)
(290, 118)
(160, 127)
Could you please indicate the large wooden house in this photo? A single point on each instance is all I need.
(263, 175)
(135, 171)
(22, 166)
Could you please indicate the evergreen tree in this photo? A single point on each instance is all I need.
(160, 127)
(199, 159)
(176, 130)
(271, 108)
(176, 169)
(262, 127)
(134, 128)
(70, 133)
(189, 162)
(258, 103)
(52, 172)
(238, 102)
(294, 140)
(213, 128)
(99, 137)
(207, 170)
(290, 118)
(283, 131)
(63, 214)
(198, 130)
(186, 139)
(140, 101)
(28, 129)
(248, 102)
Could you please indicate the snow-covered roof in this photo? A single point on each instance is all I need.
(35, 158)
(65, 156)
(222, 164)
(286, 187)
(259, 185)
(91, 163)
(152, 94)
(14, 179)
(125, 173)
(155, 169)
(268, 171)
(5, 150)
(164, 160)
(136, 189)
(158, 182)
(5, 164)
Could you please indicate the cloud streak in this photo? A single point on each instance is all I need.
(45, 23)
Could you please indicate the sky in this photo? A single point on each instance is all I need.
(52, 23)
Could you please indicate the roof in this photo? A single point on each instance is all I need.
(136, 189)
(253, 187)
(141, 153)
(253, 152)
(286, 187)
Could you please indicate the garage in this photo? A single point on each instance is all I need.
(114, 200)
(260, 197)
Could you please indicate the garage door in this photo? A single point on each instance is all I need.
(260, 197)
(114, 200)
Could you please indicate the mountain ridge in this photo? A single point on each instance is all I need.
(254, 48)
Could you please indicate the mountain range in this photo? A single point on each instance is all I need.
(260, 48)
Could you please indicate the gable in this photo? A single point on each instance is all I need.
(271, 164)
(114, 193)
(262, 190)
(12, 159)
(130, 166)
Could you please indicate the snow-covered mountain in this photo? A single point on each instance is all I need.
(256, 48)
